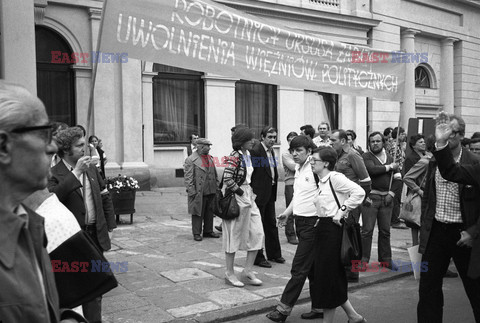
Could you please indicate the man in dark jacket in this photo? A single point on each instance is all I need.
(264, 185)
(80, 187)
(450, 221)
(386, 180)
(28, 290)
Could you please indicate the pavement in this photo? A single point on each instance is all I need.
(172, 278)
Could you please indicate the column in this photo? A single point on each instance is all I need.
(407, 107)
(291, 113)
(17, 43)
(219, 112)
(446, 72)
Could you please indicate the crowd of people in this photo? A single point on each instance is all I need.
(54, 198)
(328, 177)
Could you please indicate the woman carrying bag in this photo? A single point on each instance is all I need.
(330, 278)
(244, 232)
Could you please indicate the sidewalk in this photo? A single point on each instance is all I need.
(171, 277)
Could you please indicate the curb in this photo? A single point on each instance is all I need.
(263, 306)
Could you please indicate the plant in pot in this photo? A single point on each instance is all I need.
(122, 190)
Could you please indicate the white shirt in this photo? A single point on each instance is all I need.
(89, 204)
(348, 193)
(249, 167)
(271, 162)
(304, 190)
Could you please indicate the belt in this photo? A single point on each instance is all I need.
(444, 225)
(89, 227)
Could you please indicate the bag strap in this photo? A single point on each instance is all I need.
(333, 192)
(244, 178)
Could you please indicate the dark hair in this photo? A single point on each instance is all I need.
(351, 133)
(82, 128)
(66, 138)
(327, 154)
(90, 139)
(308, 130)
(342, 134)
(191, 136)
(387, 131)
(302, 141)
(466, 142)
(475, 135)
(266, 130)
(292, 134)
(396, 131)
(326, 123)
(373, 134)
(57, 126)
(475, 140)
(238, 126)
(430, 143)
(414, 139)
(461, 123)
(241, 136)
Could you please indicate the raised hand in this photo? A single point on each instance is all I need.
(443, 129)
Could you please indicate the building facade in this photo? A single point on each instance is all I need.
(144, 112)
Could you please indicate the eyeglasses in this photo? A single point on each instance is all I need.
(45, 131)
(314, 160)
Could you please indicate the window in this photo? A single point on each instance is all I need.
(178, 104)
(320, 106)
(255, 105)
(422, 78)
(55, 81)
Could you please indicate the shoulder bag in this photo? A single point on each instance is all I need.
(226, 207)
(351, 248)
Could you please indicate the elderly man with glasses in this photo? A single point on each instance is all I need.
(28, 287)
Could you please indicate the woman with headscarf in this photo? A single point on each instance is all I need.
(246, 231)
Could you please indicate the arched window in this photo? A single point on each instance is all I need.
(178, 104)
(422, 77)
(55, 77)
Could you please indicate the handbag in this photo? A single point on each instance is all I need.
(351, 248)
(80, 286)
(226, 207)
(411, 209)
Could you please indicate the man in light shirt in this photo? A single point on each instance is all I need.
(302, 207)
(323, 139)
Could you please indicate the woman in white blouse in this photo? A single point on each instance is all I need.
(330, 279)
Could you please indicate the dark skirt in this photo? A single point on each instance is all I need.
(330, 282)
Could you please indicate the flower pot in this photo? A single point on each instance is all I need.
(123, 203)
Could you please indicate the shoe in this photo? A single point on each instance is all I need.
(211, 235)
(251, 279)
(218, 227)
(399, 225)
(279, 260)
(312, 315)
(276, 316)
(263, 263)
(233, 280)
(292, 240)
(363, 320)
(450, 274)
(197, 237)
(352, 277)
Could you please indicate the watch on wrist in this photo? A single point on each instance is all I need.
(343, 208)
